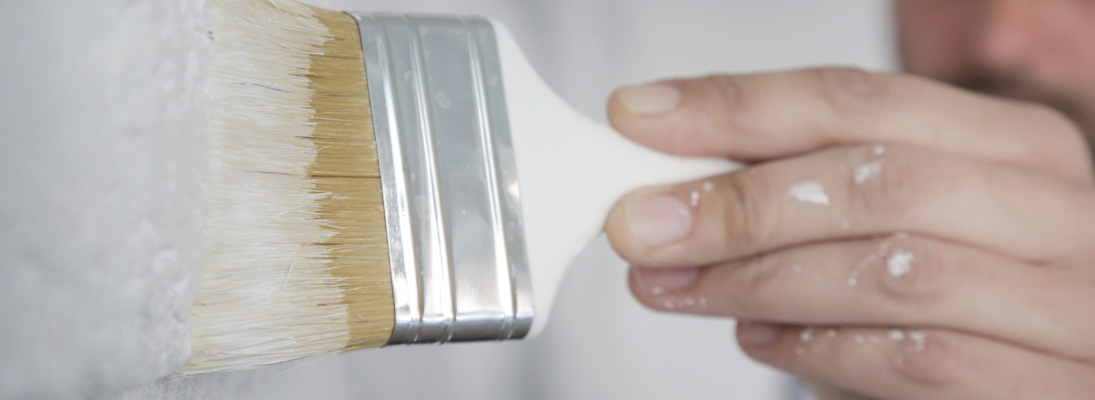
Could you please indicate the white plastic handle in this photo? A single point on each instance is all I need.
(571, 171)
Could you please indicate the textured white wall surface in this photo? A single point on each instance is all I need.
(101, 170)
(102, 117)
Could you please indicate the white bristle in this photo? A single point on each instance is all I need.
(262, 214)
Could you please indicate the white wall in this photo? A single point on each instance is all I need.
(100, 192)
(101, 121)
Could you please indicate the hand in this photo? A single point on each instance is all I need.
(895, 239)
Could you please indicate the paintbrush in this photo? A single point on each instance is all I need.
(381, 179)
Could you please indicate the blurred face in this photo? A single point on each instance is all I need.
(1037, 50)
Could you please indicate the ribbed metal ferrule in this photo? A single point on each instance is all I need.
(451, 199)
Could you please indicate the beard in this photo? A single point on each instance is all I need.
(1012, 86)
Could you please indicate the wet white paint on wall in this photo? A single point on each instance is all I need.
(101, 170)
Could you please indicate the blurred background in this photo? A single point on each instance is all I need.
(103, 111)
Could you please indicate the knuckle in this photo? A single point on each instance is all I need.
(1046, 120)
(1038, 386)
(1053, 138)
(927, 359)
(727, 87)
(724, 102)
(914, 269)
(892, 194)
(747, 217)
(749, 285)
(851, 90)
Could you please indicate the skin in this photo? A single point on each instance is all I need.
(989, 196)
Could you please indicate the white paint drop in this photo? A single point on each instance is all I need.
(899, 263)
(796, 268)
(919, 339)
(809, 192)
(695, 200)
(806, 335)
(708, 186)
(867, 171)
(443, 100)
(897, 335)
(854, 279)
(859, 338)
(657, 290)
(845, 225)
(800, 350)
(878, 149)
(831, 333)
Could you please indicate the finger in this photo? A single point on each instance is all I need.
(765, 116)
(827, 392)
(895, 281)
(912, 365)
(854, 191)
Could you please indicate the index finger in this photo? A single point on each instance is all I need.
(760, 117)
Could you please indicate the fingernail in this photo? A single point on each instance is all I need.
(658, 281)
(758, 333)
(650, 99)
(658, 219)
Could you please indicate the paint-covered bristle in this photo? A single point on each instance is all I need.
(296, 256)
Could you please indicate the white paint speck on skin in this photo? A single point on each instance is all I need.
(845, 225)
(878, 149)
(899, 263)
(809, 192)
(875, 339)
(859, 338)
(695, 200)
(796, 268)
(919, 341)
(867, 171)
(831, 333)
(800, 350)
(897, 335)
(854, 279)
(806, 335)
(708, 186)
(703, 302)
(657, 290)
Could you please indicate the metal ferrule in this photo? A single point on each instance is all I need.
(451, 200)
